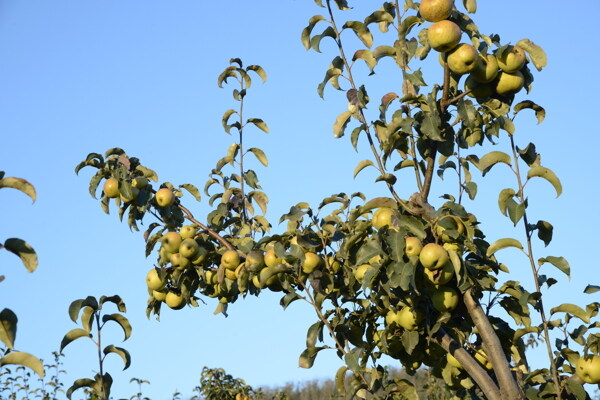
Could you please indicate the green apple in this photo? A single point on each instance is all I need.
(230, 260)
(588, 368)
(412, 246)
(463, 59)
(311, 262)
(171, 241)
(333, 264)
(444, 35)
(200, 256)
(111, 188)
(433, 256)
(164, 197)
(435, 10)
(486, 68)
(384, 217)
(440, 276)
(174, 300)
(154, 281)
(478, 90)
(179, 261)
(511, 59)
(189, 248)
(444, 299)
(360, 271)
(188, 231)
(159, 295)
(407, 318)
(271, 258)
(507, 84)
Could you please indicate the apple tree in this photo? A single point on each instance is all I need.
(397, 275)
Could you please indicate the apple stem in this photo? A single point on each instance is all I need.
(205, 228)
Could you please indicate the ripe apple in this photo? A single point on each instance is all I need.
(271, 258)
(359, 273)
(412, 246)
(441, 276)
(435, 10)
(486, 68)
(444, 299)
(507, 84)
(512, 59)
(164, 197)
(189, 248)
(588, 368)
(230, 259)
(111, 188)
(188, 231)
(311, 262)
(453, 361)
(174, 300)
(230, 274)
(433, 256)
(179, 261)
(444, 35)
(159, 295)
(171, 241)
(407, 318)
(153, 280)
(200, 256)
(384, 217)
(478, 90)
(463, 59)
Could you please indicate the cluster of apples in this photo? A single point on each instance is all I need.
(489, 74)
(163, 197)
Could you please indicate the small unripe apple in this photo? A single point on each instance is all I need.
(255, 261)
(189, 248)
(463, 59)
(311, 262)
(512, 59)
(188, 231)
(435, 10)
(385, 216)
(171, 241)
(230, 259)
(159, 295)
(412, 246)
(164, 197)
(179, 261)
(134, 194)
(407, 318)
(444, 35)
(444, 299)
(111, 188)
(174, 300)
(507, 84)
(433, 256)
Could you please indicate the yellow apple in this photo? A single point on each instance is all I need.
(230, 259)
(159, 295)
(153, 280)
(174, 300)
(486, 68)
(111, 188)
(271, 258)
(360, 271)
(412, 246)
(334, 265)
(255, 261)
(435, 10)
(444, 299)
(433, 256)
(444, 35)
(512, 59)
(407, 318)
(478, 90)
(230, 274)
(188, 231)
(384, 217)
(311, 262)
(441, 276)
(164, 197)
(189, 248)
(171, 241)
(179, 261)
(588, 368)
(507, 84)
(463, 59)
(200, 256)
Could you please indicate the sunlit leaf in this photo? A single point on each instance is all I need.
(19, 184)
(536, 53)
(362, 31)
(548, 175)
(589, 289)
(362, 165)
(559, 262)
(72, 335)
(492, 158)
(124, 354)
(573, 310)
(470, 6)
(193, 190)
(502, 244)
(24, 251)
(305, 37)
(340, 124)
(24, 359)
(260, 155)
(121, 320)
(540, 113)
(259, 71)
(78, 384)
(8, 327)
(307, 358)
(259, 123)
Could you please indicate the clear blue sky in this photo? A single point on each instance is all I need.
(79, 77)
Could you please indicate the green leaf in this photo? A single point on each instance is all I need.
(72, 335)
(229, 72)
(515, 211)
(545, 230)
(124, 354)
(540, 113)
(259, 123)
(8, 327)
(225, 120)
(87, 318)
(559, 262)
(352, 359)
(470, 6)
(193, 190)
(388, 178)
(589, 289)
(548, 175)
(305, 37)
(315, 332)
(573, 310)
(536, 53)
(78, 384)
(260, 155)
(315, 42)
(367, 56)
(384, 51)
(340, 380)
(492, 158)
(260, 198)
(19, 184)
(24, 359)
(307, 358)
(503, 197)
(361, 30)
(502, 244)
(340, 124)
(24, 251)
(122, 321)
(259, 71)
(362, 165)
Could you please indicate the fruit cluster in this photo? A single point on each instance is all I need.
(498, 73)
